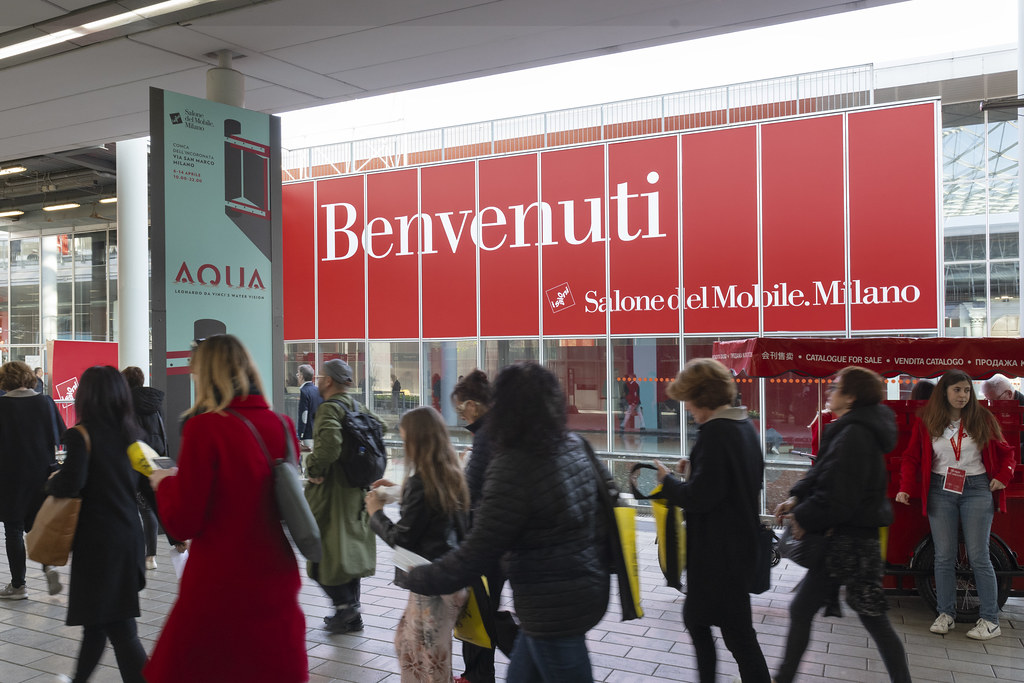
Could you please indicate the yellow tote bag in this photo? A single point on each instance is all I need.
(671, 531)
(469, 627)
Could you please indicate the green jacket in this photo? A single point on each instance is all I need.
(349, 545)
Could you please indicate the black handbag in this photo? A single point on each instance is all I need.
(291, 501)
(807, 551)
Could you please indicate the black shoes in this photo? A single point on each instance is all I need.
(345, 620)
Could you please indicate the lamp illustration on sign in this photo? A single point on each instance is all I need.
(247, 185)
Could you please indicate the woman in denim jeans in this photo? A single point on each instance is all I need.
(959, 464)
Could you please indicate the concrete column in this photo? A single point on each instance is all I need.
(133, 254)
(224, 84)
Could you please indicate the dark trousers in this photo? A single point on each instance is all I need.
(729, 609)
(128, 651)
(813, 593)
(480, 660)
(14, 539)
(150, 526)
(345, 594)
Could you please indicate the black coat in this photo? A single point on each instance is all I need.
(540, 511)
(720, 499)
(149, 402)
(309, 401)
(846, 490)
(478, 460)
(108, 553)
(423, 529)
(30, 428)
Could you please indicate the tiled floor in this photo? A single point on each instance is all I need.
(35, 644)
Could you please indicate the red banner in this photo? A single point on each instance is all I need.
(786, 228)
(888, 356)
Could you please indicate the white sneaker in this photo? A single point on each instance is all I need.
(151, 562)
(53, 581)
(943, 624)
(984, 630)
(9, 592)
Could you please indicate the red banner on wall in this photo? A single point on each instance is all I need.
(787, 227)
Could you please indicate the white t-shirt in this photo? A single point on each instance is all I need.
(944, 455)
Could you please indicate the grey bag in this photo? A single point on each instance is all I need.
(291, 501)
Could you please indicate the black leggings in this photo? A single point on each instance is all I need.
(14, 539)
(128, 651)
(729, 609)
(814, 592)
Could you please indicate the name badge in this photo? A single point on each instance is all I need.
(955, 480)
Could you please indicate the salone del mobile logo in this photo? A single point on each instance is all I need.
(779, 295)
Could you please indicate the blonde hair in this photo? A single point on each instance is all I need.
(223, 369)
(17, 375)
(705, 383)
(433, 458)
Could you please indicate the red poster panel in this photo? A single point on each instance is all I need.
(892, 213)
(340, 294)
(720, 231)
(68, 360)
(506, 229)
(299, 260)
(802, 221)
(643, 228)
(391, 242)
(448, 201)
(573, 262)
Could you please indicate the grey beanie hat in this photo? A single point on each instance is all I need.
(338, 370)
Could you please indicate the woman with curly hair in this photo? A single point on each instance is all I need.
(959, 464)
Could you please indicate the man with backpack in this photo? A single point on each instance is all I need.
(348, 448)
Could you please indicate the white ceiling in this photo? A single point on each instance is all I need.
(304, 53)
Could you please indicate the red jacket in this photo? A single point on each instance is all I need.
(237, 617)
(916, 467)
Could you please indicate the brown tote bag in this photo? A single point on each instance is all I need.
(52, 533)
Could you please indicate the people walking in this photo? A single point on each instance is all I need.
(349, 545)
(237, 618)
(30, 429)
(147, 403)
(107, 570)
(541, 516)
(719, 497)
(959, 464)
(434, 511)
(845, 496)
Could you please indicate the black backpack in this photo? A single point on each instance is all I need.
(363, 455)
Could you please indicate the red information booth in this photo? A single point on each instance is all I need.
(909, 550)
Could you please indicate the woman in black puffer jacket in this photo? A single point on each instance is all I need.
(844, 495)
(540, 511)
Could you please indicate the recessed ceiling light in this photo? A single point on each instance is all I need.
(108, 200)
(61, 207)
(11, 214)
(115, 21)
(12, 169)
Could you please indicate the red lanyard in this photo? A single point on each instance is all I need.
(958, 444)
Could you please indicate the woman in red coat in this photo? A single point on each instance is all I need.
(234, 620)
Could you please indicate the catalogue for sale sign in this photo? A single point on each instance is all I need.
(825, 223)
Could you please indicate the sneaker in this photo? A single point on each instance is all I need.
(151, 562)
(985, 630)
(943, 624)
(53, 585)
(9, 592)
(343, 623)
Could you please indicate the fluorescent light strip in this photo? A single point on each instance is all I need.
(61, 207)
(99, 25)
(109, 200)
(11, 214)
(12, 169)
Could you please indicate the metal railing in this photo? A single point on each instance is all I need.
(807, 93)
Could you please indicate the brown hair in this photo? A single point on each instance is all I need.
(223, 369)
(705, 383)
(433, 458)
(865, 387)
(17, 375)
(133, 376)
(976, 419)
(473, 387)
